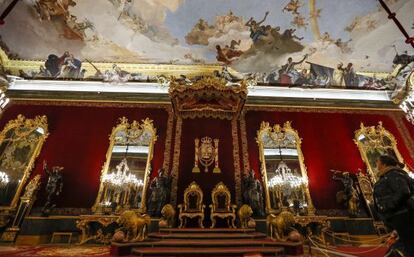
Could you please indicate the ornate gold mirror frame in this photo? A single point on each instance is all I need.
(374, 141)
(126, 136)
(277, 138)
(20, 143)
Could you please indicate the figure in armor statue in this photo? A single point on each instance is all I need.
(160, 189)
(349, 195)
(253, 193)
(53, 187)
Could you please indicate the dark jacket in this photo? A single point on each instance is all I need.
(391, 193)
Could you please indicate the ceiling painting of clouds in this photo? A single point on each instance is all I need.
(248, 35)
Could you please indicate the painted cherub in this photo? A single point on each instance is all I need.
(292, 7)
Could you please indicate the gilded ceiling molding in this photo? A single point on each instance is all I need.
(236, 159)
(168, 140)
(317, 110)
(93, 104)
(176, 160)
(245, 151)
(15, 66)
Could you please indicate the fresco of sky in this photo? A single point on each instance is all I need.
(247, 35)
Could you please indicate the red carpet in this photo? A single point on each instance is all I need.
(54, 251)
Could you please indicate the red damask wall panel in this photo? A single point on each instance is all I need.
(198, 128)
(327, 144)
(79, 141)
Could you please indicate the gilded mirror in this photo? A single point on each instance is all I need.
(20, 143)
(128, 164)
(283, 169)
(373, 142)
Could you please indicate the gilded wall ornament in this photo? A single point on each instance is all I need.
(374, 141)
(206, 154)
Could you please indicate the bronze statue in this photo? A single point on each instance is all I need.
(253, 193)
(53, 187)
(160, 189)
(349, 195)
(135, 225)
(280, 225)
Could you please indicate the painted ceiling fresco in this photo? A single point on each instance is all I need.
(247, 35)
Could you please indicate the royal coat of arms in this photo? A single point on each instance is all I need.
(206, 154)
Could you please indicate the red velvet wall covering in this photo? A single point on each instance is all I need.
(410, 128)
(198, 128)
(79, 141)
(327, 144)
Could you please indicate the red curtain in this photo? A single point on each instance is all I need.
(79, 140)
(327, 144)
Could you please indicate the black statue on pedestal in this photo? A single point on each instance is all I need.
(160, 189)
(253, 193)
(349, 195)
(53, 187)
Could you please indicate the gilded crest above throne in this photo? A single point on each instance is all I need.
(208, 97)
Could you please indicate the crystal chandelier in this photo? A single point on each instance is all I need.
(122, 178)
(285, 177)
(4, 179)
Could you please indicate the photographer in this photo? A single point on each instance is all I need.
(394, 200)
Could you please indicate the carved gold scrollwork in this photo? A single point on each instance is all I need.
(124, 137)
(20, 142)
(275, 139)
(374, 141)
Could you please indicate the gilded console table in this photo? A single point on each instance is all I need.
(98, 228)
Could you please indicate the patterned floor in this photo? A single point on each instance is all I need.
(54, 251)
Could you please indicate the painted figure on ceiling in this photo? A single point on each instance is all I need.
(256, 31)
(292, 7)
(288, 74)
(338, 77)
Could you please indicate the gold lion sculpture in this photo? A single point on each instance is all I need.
(135, 225)
(168, 215)
(278, 225)
(245, 212)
